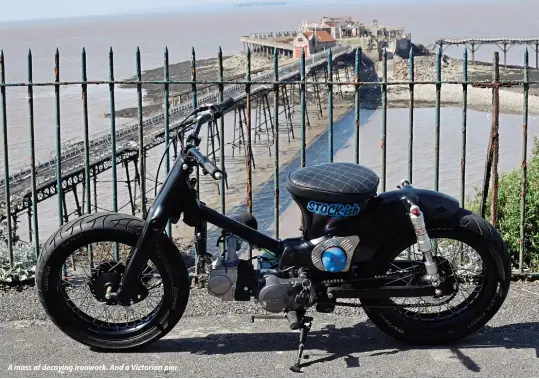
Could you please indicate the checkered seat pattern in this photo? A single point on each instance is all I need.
(334, 182)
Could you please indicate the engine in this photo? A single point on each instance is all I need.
(232, 279)
(285, 294)
(275, 294)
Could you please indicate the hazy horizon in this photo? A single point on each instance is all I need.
(37, 10)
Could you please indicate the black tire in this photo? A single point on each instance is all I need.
(123, 229)
(480, 235)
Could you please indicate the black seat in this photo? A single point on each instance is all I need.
(334, 182)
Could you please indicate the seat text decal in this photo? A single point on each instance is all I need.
(334, 210)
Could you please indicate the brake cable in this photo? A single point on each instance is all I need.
(174, 138)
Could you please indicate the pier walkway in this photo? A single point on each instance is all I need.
(503, 43)
(72, 157)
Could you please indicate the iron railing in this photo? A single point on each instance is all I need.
(92, 148)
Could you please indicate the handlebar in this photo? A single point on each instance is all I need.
(225, 104)
(206, 164)
(216, 109)
(206, 113)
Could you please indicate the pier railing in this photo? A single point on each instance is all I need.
(84, 153)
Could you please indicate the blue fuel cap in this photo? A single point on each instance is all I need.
(334, 259)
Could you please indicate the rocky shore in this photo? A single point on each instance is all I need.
(234, 67)
(511, 98)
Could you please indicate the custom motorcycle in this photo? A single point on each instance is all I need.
(424, 270)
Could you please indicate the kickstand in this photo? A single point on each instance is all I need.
(306, 323)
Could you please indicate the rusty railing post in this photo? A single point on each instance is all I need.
(491, 164)
(524, 183)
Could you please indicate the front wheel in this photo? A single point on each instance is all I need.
(471, 255)
(86, 257)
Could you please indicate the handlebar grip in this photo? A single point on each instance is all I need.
(225, 104)
(212, 169)
(206, 164)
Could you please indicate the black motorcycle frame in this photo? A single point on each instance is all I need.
(386, 217)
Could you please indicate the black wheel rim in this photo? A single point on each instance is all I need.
(81, 272)
(468, 271)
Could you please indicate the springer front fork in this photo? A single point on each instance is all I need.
(425, 245)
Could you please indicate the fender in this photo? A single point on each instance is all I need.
(387, 217)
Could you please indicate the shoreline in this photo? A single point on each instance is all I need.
(479, 99)
(206, 70)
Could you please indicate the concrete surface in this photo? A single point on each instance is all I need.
(339, 346)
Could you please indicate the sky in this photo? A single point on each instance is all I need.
(14, 10)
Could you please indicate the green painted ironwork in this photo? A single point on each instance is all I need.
(34, 224)
(464, 125)
(383, 138)
(249, 152)
(141, 152)
(166, 122)
(524, 185)
(250, 83)
(357, 97)
(330, 105)
(113, 145)
(222, 132)
(276, 142)
(437, 120)
(9, 236)
(59, 188)
(411, 74)
(303, 106)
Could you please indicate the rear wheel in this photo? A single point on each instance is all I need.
(86, 257)
(471, 256)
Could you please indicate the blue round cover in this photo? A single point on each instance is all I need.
(334, 259)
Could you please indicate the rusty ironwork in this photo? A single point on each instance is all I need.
(252, 92)
(491, 162)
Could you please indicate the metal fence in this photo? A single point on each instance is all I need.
(110, 144)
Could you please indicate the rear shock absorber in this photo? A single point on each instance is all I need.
(424, 243)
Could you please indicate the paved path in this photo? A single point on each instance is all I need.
(343, 345)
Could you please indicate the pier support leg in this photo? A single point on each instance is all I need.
(258, 120)
(137, 177)
(338, 79)
(14, 234)
(307, 121)
(250, 152)
(77, 202)
(95, 190)
(64, 206)
(30, 220)
(317, 95)
(129, 190)
(293, 98)
(238, 126)
(234, 132)
(288, 113)
(270, 117)
(537, 55)
(268, 133)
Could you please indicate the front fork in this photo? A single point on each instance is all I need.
(165, 208)
(424, 242)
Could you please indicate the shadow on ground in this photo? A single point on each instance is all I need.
(344, 343)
